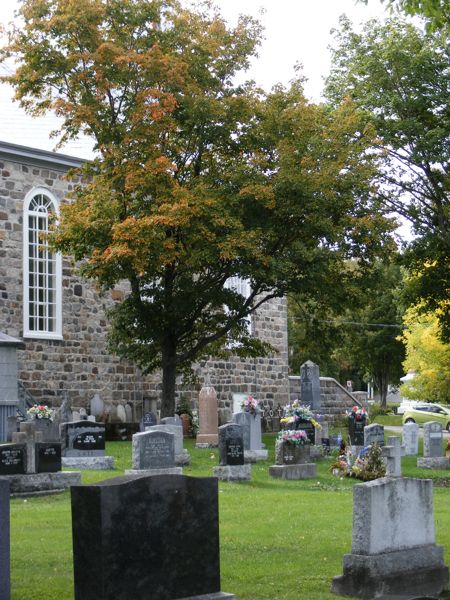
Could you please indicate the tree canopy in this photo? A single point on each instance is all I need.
(197, 179)
(436, 12)
(400, 76)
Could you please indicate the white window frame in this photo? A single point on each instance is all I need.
(241, 286)
(42, 288)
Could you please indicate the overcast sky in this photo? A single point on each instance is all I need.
(296, 31)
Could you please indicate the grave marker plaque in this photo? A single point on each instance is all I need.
(48, 457)
(83, 438)
(13, 459)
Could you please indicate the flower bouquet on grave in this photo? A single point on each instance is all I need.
(296, 413)
(250, 405)
(343, 463)
(358, 413)
(40, 411)
(369, 465)
(296, 437)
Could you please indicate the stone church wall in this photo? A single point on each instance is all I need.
(80, 364)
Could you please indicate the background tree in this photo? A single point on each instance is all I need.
(401, 77)
(436, 12)
(358, 338)
(197, 179)
(427, 356)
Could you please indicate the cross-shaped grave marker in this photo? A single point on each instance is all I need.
(28, 436)
(393, 453)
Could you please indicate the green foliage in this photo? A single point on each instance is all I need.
(400, 77)
(436, 12)
(369, 466)
(378, 409)
(197, 179)
(427, 356)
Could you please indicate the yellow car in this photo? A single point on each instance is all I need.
(422, 413)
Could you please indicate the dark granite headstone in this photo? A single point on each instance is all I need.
(148, 420)
(356, 430)
(5, 586)
(231, 444)
(146, 538)
(83, 438)
(308, 428)
(310, 385)
(13, 459)
(48, 457)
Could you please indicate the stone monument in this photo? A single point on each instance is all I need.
(392, 454)
(208, 419)
(251, 423)
(293, 461)
(393, 545)
(231, 454)
(83, 446)
(433, 451)
(154, 453)
(182, 456)
(310, 385)
(411, 438)
(374, 434)
(147, 538)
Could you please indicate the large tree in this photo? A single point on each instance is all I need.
(436, 12)
(401, 77)
(197, 179)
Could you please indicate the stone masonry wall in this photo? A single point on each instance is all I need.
(80, 364)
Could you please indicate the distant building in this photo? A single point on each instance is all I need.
(62, 319)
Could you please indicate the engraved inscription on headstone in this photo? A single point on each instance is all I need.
(48, 457)
(374, 434)
(231, 444)
(13, 459)
(153, 450)
(432, 440)
(83, 438)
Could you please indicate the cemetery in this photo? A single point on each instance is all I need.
(290, 512)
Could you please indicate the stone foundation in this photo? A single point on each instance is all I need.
(233, 472)
(92, 463)
(435, 462)
(39, 483)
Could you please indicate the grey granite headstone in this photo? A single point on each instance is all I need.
(243, 419)
(231, 444)
(392, 454)
(82, 438)
(310, 385)
(411, 438)
(432, 440)
(147, 538)
(28, 435)
(5, 586)
(97, 406)
(153, 450)
(182, 456)
(374, 434)
(393, 549)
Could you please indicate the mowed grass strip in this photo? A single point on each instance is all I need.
(280, 540)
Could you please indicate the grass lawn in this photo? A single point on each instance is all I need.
(280, 540)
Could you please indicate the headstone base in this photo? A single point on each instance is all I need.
(434, 462)
(207, 440)
(233, 472)
(147, 472)
(216, 596)
(37, 483)
(418, 570)
(300, 471)
(93, 463)
(252, 456)
(182, 459)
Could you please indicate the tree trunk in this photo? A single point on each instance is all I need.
(382, 381)
(169, 374)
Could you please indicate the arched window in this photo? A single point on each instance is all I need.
(41, 268)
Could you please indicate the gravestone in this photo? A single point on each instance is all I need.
(411, 438)
(121, 413)
(148, 420)
(433, 453)
(154, 451)
(251, 423)
(208, 419)
(13, 459)
(374, 434)
(83, 445)
(231, 454)
(392, 454)
(48, 457)
(175, 420)
(48, 428)
(356, 430)
(147, 538)
(5, 585)
(393, 544)
(129, 413)
(310, 385)
(97, 406)
(28, 436)
(292, 461)
(432, 440)
(182, 456)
